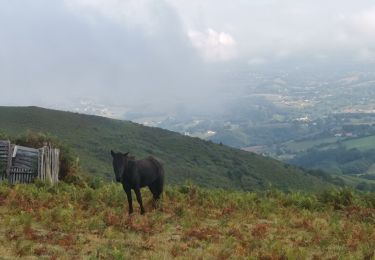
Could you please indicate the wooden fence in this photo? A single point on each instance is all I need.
(5, 158)
(49, 164)
(21, 175)
(19, 164)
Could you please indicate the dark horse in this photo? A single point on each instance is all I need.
(135, 174)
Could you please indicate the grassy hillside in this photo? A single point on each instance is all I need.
(352, 159)
(68, 222)
(205, 163)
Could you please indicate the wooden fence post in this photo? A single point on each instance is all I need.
(49, 164)
(5, 158)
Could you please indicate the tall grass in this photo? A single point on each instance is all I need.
(72, 221)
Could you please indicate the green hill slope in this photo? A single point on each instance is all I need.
(202, 162)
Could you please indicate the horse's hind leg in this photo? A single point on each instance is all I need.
(156, 192)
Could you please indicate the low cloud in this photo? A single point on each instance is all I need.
(213, 45)
(158, 53)
(358, 34)
(141, 14)
(129, 53)
(365, 22)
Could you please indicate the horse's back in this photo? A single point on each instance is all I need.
(150, 170)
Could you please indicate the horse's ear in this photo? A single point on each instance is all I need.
(112, 153)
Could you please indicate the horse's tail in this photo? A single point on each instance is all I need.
(160, 170)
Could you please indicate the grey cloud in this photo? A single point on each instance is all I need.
(143, 51)
(279, 29)
(50, 53)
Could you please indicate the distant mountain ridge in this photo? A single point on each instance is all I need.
(204, 163)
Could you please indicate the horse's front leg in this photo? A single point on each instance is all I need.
(128, 192)
(139, 199)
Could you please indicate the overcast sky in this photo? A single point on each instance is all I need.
(154, 51)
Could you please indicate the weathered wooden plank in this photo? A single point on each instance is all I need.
(23, 148)
(11, 147)
(26, 153)
(4, 158)
(26, 161)
(16, 170)
(48, 166)
(28, 167)
(21, 151)
(57, 165)
(27, 156)
(42, 168)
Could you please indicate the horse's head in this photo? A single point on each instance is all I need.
(119, 162)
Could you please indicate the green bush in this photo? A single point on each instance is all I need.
(338, 198)
(300, 200)
(369, 199)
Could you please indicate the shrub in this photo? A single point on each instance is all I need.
(300, 200)
(94, 182)
(369, 200)
(338, 198)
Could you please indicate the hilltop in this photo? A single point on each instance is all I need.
(185, 158)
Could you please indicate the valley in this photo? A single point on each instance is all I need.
(287, 114)
(290, 115)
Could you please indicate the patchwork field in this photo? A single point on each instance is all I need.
(363, 144)
(70, 222)
(300, 146)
